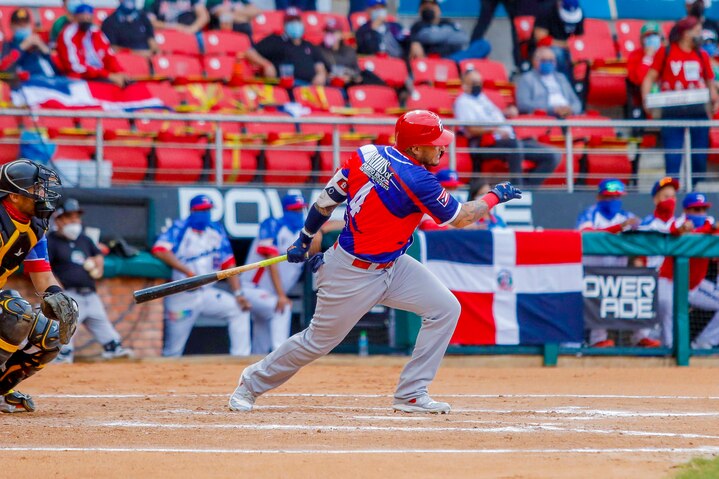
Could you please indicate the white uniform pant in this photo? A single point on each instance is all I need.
(705, 296)
(93, 316)
(182, 310)
(346, 293)
(269, 327)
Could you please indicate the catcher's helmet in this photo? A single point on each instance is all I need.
(420, 128)
(25, 178)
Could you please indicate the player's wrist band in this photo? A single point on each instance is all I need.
(238, 293)
(491, 199)
(314, 221)
(53, 289)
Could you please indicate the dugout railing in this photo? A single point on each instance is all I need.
(591, 149)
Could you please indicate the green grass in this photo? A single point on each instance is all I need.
(699, 469)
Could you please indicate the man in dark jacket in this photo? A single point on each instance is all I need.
(25, 51)
(379, 35)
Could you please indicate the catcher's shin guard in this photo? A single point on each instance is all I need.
(43, 346)
(16, 322)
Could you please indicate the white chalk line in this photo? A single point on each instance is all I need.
(646, 450)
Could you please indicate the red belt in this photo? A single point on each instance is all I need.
(361, 264)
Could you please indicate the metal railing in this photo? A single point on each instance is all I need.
(571, 144)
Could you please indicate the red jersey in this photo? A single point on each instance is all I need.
(682, 70)
(638, 65)
(86, 55)
(697, 266)
(387, 195)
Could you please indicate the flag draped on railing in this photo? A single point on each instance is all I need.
(515, 287)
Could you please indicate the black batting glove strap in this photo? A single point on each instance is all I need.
(297, 253)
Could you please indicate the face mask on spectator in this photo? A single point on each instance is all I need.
(697, 220)
(330, 39)
(652, 41)
(710, 48)
(378, 14)
(609, 208)
(22, 33)
(294, 30)
(72, 231)
(84, 25)
(199, 220)
(665, 209)
(476, 90)
(546, 67)
(428, 15)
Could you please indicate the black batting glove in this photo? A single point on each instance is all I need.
(297, 253)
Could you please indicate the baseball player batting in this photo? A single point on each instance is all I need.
(388, 189)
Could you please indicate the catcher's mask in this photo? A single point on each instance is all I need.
(25, 178)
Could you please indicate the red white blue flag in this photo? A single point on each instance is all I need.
(515, 287)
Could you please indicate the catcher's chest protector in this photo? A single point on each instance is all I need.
(17, 240)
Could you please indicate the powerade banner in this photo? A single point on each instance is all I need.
(515, 287)
(620, 298)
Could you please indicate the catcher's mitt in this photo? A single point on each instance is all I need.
(63, 308)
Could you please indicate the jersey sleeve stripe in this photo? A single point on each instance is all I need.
(454, 216)
(40, 265)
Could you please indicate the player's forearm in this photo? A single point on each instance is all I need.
(171, 260)
(472, 211)
(43, 280)
(275, 277)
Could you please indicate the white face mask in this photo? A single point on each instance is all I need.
(72, 231)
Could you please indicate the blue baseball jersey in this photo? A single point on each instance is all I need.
(201, 251)
(387, 195)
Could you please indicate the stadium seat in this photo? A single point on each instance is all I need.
(239, 164)
(491, 70)
(5, 13)
(347, 149)
(109, 125)
(713, 143)
(48, 15)
(267, 23)
(10, 125)
(135, 66)
(536, 132)
(437, 100)
(271, 131)
(607, 87)
(101, 14)
(224, 43)
(129, 158)
(628, 36)
(392, 71)
(429, 70)
(283, 166)
(501, 98)
(586, 132)
(205, 97)
(377, 97)
(55, 125)
(219, 67)
(596, 43)
(559, 177)
(155, 127)
(74, 147)
(325, 129)
(179, 68)
(524, 25)
(315, 25)
(179, 158)
(357, 19)
(376, 131)
(604, 164)
(165, 92)
(175, 41)
(253, 97)
(464, 166)
(321, 98)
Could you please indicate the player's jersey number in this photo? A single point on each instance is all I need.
(356, 204)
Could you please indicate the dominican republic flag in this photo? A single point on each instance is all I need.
(515, 287)
(62, 93)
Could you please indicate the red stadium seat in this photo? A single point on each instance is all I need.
(325, 129)
(239, 164)
(347, 149)
(179, 158)
(219, 67)
(267, 23)
(253, 97)
(377, 97)
(287, 166)
(596, 43)
(272, 131)
(129, 158)
(464, 166)
(79, 147)
(321, 98)
(357, 19)
(175, 41)
(603, 165)
(429, 98)
(491, 70)
(377, 131)
(536, 132)
(585, 132)
(10, 125)
(628, 36)
(156, 127)
(101, 14)
(392, 71)
(56, 123)
(48, 15)
(559, 176)
(524, 25)
(607, 88)
(315, 24)
(5, 13)
(428, 70)
(135, 66)
(115, 125)
(501, 98)
(165, 92)
(221, 43)
(177, 67)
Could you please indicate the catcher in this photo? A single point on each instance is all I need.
(28, 339)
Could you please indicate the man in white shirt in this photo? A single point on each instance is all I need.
(474, 106)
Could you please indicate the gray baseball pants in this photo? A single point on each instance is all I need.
(94, 316)
(346, 293)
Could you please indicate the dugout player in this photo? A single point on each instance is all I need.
(29, 339)
(77, 262)
(388, 189)
(196, 246)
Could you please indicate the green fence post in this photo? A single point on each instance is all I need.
(681, 310)
(551, 353)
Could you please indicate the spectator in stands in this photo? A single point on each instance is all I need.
(709, 45)
(606, 215)
(554, 27)
(477, 189)
(449, 179)
(290, 48)
(341, 60)
(379, 35)
(434, 35)
(543, 88)
(640, 60)
(235, 15)
(697, 8)
(130, 28)
(189, 16)
(61, 22)
(25, 51)
(683, 65)
(302, 5)
(84, 52)
(474, 106)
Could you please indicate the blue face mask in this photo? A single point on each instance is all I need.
(294, 220)
(710, 48)
(609, 208)
(22, 33)
(697, 220)
(294, 30)
(547, 67)
(199, 220)
(652, 41)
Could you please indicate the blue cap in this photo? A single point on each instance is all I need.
(611, 187)
(696, 200)
(200, 203)
(666, 181)
(374, 3)
(293, 202)
(83, 8)
(448, 178)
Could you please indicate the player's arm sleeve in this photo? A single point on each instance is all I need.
(167, 240)
(37, 260)
(335, 192)
(431, 198)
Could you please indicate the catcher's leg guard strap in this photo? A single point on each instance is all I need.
(16, 322)
(43, 346)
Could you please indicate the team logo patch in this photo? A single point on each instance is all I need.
(342, 185)
(377, 168)
(504, 280)
(443, 198)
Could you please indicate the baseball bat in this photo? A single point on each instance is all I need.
(185, 284)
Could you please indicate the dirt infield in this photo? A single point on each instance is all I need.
(169, 419)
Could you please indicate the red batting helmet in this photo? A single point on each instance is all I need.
(420, 128)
